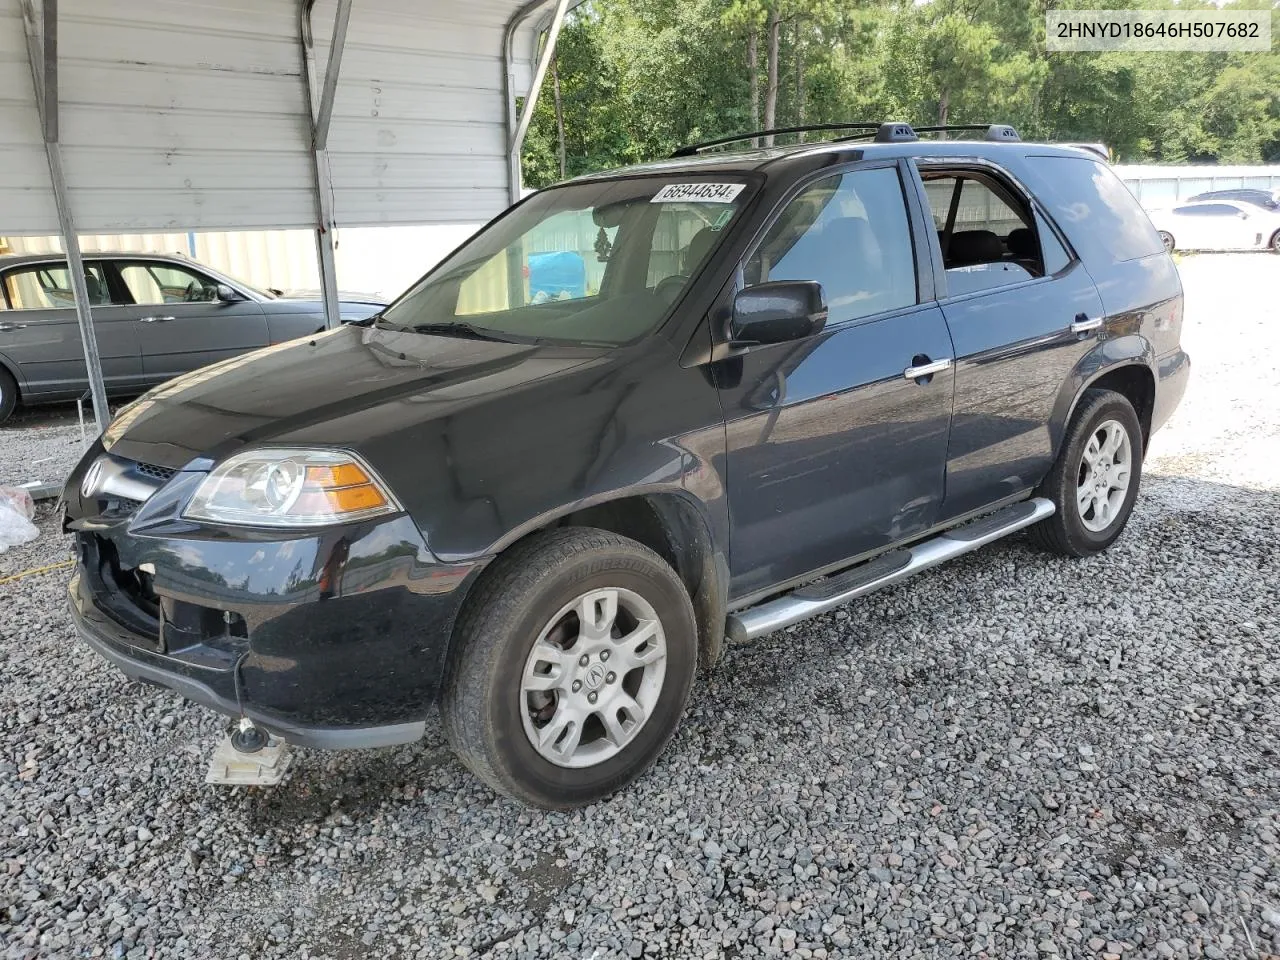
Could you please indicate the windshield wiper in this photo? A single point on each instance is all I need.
(464, 330)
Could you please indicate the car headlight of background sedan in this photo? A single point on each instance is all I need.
(288, 488)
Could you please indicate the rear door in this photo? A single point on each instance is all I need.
(833, 451)
(181, 323)
(1022, 312)
(39, 331)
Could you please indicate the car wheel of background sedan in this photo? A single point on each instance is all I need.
(1275, 242)
(8, 394)
(1167, 240)
(1094, 481)
(570, 669)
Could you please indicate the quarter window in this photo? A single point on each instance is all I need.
(47, 286)
(851, 234)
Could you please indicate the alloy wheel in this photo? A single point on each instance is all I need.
(1106, 467)
(593, 677)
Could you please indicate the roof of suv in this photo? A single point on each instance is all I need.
(742, 161)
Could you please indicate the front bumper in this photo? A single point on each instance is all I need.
(334, 638)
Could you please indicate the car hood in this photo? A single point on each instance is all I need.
(315, 390)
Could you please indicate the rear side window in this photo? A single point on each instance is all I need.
(1096, 210)
(47, 286)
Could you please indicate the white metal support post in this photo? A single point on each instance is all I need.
(518, 126)
(319, 117)
(42, 51)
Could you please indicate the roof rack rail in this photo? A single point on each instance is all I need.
(693, 149)
(997, 132)
(894, 131)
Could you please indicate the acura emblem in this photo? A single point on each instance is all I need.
(92, 481)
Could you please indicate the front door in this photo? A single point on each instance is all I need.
(40, 333)
(182, 325)
(1022, 314)
(832, 451)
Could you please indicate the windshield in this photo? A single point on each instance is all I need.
(598, 262)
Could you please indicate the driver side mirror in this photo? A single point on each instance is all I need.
(227, 295)
(777, 312)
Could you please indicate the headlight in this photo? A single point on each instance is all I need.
(290, 488)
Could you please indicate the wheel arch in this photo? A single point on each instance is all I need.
(676, 527)
(11, 368)
(1133, 378)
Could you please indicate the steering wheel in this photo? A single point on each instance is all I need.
(668, 288)
(193, 293)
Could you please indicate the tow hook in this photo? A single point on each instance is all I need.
(249, 756)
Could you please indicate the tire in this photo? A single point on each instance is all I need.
(8, 394)
(1166, 238)
(530, 596)
(1074, 530)
(1275, 242)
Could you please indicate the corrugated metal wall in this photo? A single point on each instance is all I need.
(189, 114)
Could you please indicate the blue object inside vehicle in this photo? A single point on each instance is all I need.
(561, 275)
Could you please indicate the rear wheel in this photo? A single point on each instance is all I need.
(8, 394)
(1275, 242)
(1094, 481)
(571, 667)
(1167, 239)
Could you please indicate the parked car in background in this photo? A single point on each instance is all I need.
(156, 316)
(1218, 225)
(1268, 199)
(546, 513)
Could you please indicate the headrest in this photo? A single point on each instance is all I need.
(974, 246)
(697, 249)
(1022, 244)
(93, 288)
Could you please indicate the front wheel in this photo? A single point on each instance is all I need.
(571, 667)
(1094, 481)
(1275, 242)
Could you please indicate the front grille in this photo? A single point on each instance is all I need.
(154, 471)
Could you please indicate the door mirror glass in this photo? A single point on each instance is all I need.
(227, 295)
(779, 311)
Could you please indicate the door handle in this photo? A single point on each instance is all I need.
(1085, 324)
(6, 327)
(154, 319)
(927, 369)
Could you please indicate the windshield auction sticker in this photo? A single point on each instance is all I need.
(698, 193)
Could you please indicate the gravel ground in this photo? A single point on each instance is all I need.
(1013, 756)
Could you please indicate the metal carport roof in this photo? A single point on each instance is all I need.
(234, 114)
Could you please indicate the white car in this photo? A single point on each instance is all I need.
(1218, 225)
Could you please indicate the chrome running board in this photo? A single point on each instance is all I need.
(813, 599)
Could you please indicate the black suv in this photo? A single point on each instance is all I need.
(638, 413)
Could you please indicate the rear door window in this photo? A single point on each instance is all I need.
(850, 233)
(987, 231)
(47, 286)
(1095, 209)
